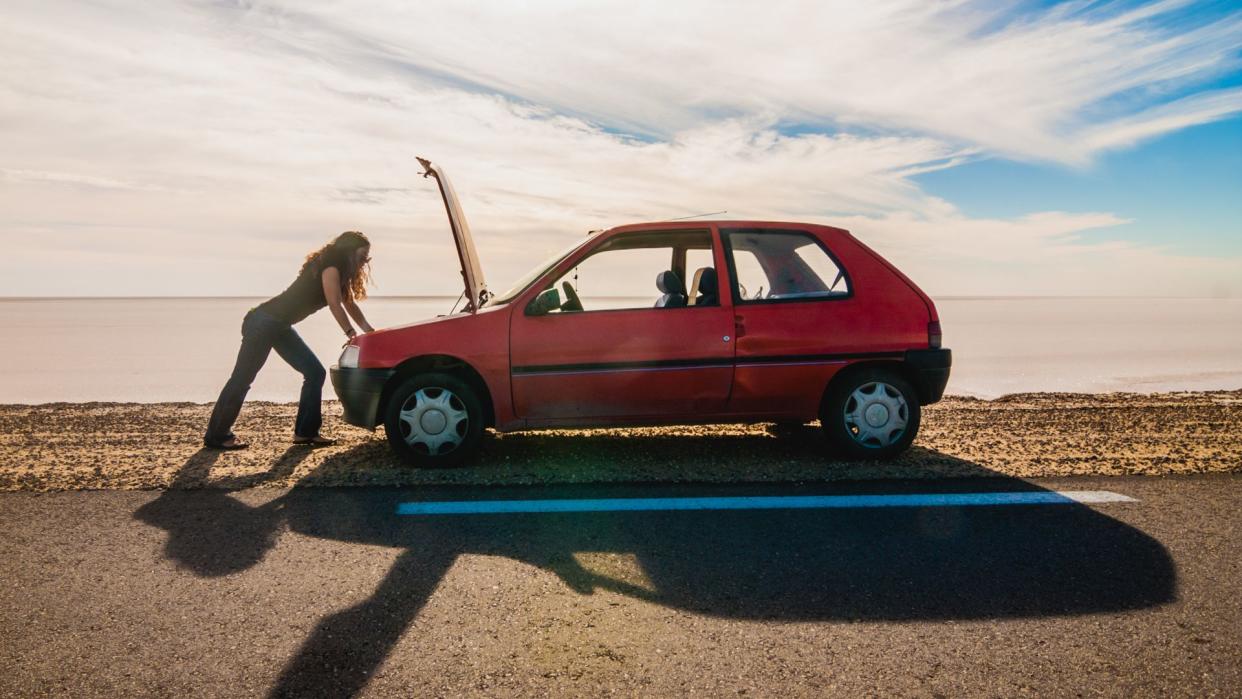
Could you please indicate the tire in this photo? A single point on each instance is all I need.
(443, 422)
(870, 414)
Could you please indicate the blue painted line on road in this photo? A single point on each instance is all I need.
(784, 502)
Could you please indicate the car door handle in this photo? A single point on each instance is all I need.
(739, 327)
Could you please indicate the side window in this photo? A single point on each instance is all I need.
(752, 282)
(639, 271)
(783, 265)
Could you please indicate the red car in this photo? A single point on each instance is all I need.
(779, 322)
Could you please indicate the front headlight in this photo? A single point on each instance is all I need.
(349, 358)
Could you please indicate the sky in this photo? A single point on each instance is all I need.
(987, 148)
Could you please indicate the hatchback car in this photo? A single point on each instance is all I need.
(670, 322)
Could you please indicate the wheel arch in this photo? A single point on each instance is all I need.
(446, 364)
(896, 366)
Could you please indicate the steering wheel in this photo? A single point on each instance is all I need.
(572, 302)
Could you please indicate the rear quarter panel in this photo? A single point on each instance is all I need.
(887, 311)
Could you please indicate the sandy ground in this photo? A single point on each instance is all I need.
(73, 446)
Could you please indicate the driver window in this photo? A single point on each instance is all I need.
(636, 271)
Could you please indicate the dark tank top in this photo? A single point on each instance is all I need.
(305, 295)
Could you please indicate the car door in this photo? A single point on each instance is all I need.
(621, 356)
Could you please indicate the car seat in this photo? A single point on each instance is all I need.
(705, 285)
(694, 285)
(673, 289)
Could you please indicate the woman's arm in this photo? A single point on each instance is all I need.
(356, 313)
(332, 294)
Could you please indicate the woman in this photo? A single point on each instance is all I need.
(336, 276)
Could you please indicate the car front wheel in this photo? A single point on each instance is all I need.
(433, 420)
(871, 414)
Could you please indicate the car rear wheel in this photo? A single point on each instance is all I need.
(871, 414)
(434, 420)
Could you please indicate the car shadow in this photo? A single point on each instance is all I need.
(723, 454)
(883, 564)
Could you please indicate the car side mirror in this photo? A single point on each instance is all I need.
(546, 302)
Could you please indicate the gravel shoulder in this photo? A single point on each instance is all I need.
(137, 446)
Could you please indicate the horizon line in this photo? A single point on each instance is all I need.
(944, 297)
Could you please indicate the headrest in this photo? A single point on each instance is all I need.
(707, 281)
(669, 283)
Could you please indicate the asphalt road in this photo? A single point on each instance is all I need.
(326, 591)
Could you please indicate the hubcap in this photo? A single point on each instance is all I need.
(876, 415)
(434, 420)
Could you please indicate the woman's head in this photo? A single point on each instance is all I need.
(353, 250)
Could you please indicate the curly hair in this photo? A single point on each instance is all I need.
(356, 277)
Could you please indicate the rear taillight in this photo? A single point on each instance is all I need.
(933, 334)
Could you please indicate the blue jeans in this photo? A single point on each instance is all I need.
(261, 333)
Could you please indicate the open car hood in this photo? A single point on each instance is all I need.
(471, 272)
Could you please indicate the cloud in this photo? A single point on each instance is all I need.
(1179, 114)
(1044, 254)
(221, 142)
(1033, 85)
(70, 179)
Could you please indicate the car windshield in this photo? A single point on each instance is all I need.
(538, 271)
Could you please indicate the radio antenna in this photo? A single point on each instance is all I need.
(710, 213)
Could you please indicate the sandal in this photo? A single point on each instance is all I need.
(316, 441)
(228, 444)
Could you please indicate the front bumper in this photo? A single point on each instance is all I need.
(360, 391)
(931, 366)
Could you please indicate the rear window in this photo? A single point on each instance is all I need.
(782, 266)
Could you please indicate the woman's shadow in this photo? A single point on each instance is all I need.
(797, 565)
(211, 533)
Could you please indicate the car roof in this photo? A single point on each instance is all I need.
(753, 226)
